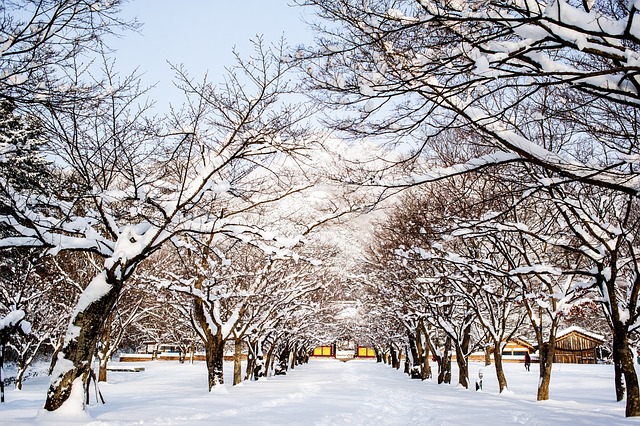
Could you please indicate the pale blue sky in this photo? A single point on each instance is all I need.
(201, 34)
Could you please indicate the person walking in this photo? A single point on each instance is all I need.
(527, 361)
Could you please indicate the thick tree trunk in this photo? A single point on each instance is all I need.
(395, 359)
(426, 367)
(259, 369)
(444, 372)
(102, 373)
(237, 362)
(416, 356)
(213, 345)
(546, 351)
(463, 367)
(425, 349)
(497, 359)
(283, 361)
(293, 357)
(251, 360)
(407, 362)
(73, 361)
(270, 360)
(617, 368)
(214, 355)
(461, 357)
(487, 356)
(627, 366)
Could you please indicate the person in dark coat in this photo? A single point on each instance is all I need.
(527, 361)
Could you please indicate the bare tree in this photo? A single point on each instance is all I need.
(408, 69)
(552, 88)
(43, 40)
(139, 187)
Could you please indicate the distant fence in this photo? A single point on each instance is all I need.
(171, 356)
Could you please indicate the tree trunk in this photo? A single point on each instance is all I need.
(421, 354)
(487, 356)
(378, 355)
(283, 361)
(497, 359)
(463, 367)
(395, 361)
(102, 373)
(621, 340)
(82, 336)
(407, 362)
(427, 349)
(461, 357)
(251, 359)
(237, 361)
(416, 367)
(293, 357)
(547, 351)
(20, 377)
(444, 373)
(617, 367)
(268, 365)
(23, 363)
(214, 355)
(213, 345)
(259, 369)
(103, 353)
(426, 367)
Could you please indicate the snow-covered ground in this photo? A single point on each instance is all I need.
(330, 392)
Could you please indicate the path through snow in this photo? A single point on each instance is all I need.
(330, 392)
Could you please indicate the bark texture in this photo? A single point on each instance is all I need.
(463, 368)
(444, 371)
(283, 361)
(497, 359)
(73, 360)
(621, 340)
(617, 368)
(547, 351)
(105, 351)
(237, 362)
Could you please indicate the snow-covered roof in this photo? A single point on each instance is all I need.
(521, 341)
(580, 330)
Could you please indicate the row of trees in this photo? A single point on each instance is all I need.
(534, 107)
(471, 284)
(513, 125)
(193, 204)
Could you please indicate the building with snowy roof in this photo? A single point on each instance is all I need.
(576, 345)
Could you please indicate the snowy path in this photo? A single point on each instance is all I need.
(329, 392)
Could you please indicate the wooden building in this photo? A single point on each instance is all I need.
(365, 352)
(324, 351)
(576, 345)
(344, 352)
(513, 350)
